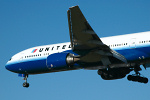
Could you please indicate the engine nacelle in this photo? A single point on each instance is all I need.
(60, 60)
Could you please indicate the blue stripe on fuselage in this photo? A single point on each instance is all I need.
(132, 54)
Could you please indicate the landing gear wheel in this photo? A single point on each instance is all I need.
(25, 84)
(145, 80)
(129, 77)
(137, 76)
(99, 72)
(137, 79)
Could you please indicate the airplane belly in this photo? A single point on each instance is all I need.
(135, 54)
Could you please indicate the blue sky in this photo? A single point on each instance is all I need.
(29, 23)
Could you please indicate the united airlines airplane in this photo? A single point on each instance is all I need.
(114, 57)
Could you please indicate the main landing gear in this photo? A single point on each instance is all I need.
(25, 84)
(137, 76)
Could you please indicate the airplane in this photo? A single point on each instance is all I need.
(114, 57)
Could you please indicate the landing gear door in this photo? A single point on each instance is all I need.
(132, 43)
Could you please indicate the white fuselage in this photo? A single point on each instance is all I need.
(124, 44)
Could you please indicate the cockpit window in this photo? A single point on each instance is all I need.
(10, 59)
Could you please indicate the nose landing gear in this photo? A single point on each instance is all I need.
(25, 84)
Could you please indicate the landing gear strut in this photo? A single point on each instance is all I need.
(137, 76)
(25, 84)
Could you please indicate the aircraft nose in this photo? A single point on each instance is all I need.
(10, 67)
(7, 66)
(13, 67)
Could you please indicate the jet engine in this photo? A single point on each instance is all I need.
(60, 60)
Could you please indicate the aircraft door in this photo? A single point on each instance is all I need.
(132, 43)
(20, 58)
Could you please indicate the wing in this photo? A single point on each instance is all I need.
(82, 35)
(85, 42)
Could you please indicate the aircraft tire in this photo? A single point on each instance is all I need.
(129, 77)
(137, 79)
(145, 80)
(99, 72)
(25, 84)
